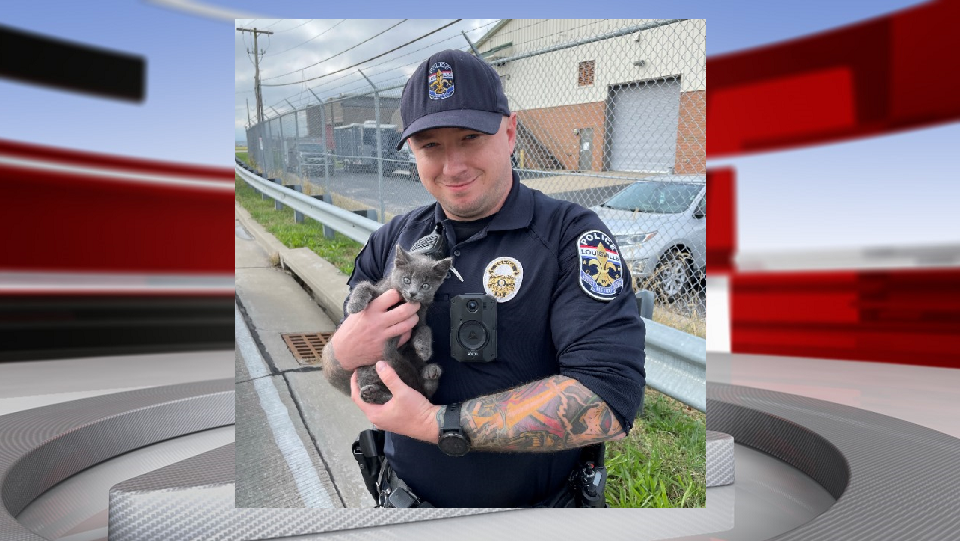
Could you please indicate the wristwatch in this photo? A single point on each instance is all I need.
(453, 442)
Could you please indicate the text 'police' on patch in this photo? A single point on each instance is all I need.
(601, 271)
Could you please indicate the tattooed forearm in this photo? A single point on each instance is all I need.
(548, 415)
(336, 375)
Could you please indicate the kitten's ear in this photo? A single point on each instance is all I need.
(443, 266)
(401, 256)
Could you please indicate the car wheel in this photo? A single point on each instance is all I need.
(673, 275)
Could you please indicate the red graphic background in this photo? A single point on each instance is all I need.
(854, 82)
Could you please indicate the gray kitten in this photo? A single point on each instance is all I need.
(417, 278)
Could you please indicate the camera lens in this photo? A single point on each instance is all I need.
(472, 335)
(473, 305)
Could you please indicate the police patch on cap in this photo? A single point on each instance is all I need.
(440, 81)
(502, 278)
(601, 271)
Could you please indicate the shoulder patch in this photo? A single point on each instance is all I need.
(601, 271)
(502, 278)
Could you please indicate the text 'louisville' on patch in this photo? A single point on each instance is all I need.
(601, 271)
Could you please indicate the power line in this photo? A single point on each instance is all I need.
(341, 78)
(338, 54)
(295, 27)
(428, 46)
(311, 39)
(373, 58)
(344, 76)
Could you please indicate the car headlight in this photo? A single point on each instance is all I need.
(635, 240)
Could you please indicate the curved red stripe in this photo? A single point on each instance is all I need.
(63, 156)
(56, 221)
(860, 80)
(902, 316)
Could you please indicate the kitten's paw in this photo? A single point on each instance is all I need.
(374, 394)
(360, 298)
(431, 371)
(431, 379)
(423, 342)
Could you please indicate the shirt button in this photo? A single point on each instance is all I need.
(456, 253)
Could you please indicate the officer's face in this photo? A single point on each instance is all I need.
(468, 172)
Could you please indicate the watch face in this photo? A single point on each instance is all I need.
(454, 445)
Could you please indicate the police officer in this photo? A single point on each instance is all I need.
(568, 369)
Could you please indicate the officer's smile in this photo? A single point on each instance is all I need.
(460, 185)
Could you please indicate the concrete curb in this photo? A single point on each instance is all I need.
(268, 242)
(328, 284)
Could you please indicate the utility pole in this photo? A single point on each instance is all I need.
(256, 56)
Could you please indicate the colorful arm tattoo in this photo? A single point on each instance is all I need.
(551, 414)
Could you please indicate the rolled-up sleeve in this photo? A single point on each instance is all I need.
(600, 343)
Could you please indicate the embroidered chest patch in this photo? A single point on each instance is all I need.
(502, 278)
(601, 271)
(440, 81)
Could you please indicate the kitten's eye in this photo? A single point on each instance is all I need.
(406, 279)
(424, 286)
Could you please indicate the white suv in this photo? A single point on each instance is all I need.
(660, 225)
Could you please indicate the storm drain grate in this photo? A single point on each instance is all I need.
(307, 348)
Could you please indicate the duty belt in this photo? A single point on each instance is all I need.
(584, 488)
(394, 492)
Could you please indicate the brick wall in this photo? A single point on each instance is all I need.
(692, 134)
(552, 129)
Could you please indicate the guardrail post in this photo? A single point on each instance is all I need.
(328, 232)
(370, 214)
(277, 205)
(297, 215)
(645, 303)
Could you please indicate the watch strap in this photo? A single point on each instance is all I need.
(451, 418)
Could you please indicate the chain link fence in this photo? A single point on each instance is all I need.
(611, 115)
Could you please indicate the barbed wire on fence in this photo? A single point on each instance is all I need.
(389, 60)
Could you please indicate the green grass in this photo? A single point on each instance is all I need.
(340, 251)
(662, 462)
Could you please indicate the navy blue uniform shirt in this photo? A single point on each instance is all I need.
(541, 257)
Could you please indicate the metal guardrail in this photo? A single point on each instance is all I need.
(350, 224)
(676, 362)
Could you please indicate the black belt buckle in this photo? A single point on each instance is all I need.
(401, 498)
(395, 493)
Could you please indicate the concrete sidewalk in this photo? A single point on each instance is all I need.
(294, 431)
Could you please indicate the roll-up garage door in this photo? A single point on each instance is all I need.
(643, 119)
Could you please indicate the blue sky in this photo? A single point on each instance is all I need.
(879, 191)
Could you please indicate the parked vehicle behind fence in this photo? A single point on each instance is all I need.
(307, 160)
(356, 145)
(660, 225)
(405, 165)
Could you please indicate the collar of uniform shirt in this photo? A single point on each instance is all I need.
(516, 213)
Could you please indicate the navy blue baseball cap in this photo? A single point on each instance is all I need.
(452, 89)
